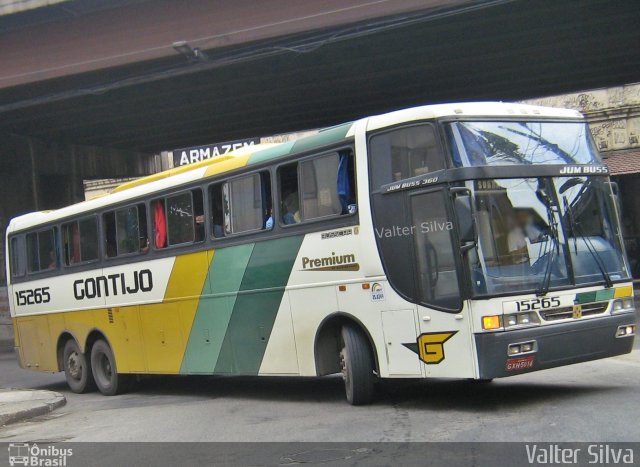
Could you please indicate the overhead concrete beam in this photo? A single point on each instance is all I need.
(144, 31)
(9, 7)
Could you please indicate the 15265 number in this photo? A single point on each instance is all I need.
(538, 303)
(33, 296)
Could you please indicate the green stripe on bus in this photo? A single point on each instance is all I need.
(214, 310)
(326, 137)
(270, 153)
(257, 305)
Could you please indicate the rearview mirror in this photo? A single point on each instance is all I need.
(464, 217)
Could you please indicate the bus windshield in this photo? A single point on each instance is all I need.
(520, 142)
(539, 233)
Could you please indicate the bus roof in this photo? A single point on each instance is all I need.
(251, 155)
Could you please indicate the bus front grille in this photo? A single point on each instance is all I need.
(588, 309)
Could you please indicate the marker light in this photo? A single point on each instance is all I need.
(490, 323)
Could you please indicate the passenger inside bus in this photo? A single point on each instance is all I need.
(291, 209)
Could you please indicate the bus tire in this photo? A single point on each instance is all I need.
(357, 366)
(77, 368)
(105, 372)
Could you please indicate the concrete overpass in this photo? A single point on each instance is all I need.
(91, 89)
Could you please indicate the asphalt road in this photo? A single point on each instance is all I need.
(595, 402)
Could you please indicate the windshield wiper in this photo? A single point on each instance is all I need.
(576, 229)
(544, 197)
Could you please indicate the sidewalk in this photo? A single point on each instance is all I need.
(20, 404)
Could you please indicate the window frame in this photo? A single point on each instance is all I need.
(56, 250)
(435, 124)
(98, 241)
(264, 171)
(103, 236)
(21, 242)
(298, 162)
(171, 194)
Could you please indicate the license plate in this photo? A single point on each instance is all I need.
(522, 363)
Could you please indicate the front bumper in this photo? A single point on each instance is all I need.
(557, 345)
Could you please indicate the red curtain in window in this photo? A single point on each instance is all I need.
(160, 224)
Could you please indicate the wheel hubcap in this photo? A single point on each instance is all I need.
(74, 366)
(106, 367)
(343, 364)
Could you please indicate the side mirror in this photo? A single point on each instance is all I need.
(615, 191)
(464, 217)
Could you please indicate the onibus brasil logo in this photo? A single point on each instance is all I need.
(34, 455)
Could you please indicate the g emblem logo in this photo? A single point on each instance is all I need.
(431, 346)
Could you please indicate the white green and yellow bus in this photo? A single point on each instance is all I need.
(476, 240)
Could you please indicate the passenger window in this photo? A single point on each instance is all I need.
(180, 222)
(289, 194)
(179, 219)
(80, 241)
(404, 153)
(217, 210)
(41, 251)
(247, 204)
(126, 231)
(18, 264)
(317, 188)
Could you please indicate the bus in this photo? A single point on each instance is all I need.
(473, 241)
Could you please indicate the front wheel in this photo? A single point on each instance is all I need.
(77, 368)
(356, 362)
(105, 372)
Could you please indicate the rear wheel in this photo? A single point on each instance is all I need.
(356, 361)
(105, 372)
(77, 368)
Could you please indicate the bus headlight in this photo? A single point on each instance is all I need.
(521, 319)
(622, 305)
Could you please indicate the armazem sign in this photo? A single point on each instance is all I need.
(194, 154)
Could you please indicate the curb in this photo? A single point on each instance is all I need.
(41, 408)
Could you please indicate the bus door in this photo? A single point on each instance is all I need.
(416, 237)
(445, 340)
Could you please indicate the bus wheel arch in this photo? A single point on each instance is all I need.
(328, 343)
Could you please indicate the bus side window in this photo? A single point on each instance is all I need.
(289, 194)
(320, 196)
(41, 251)
(18, 263)
(198, 214)
(33, 263)
(180, 219)
(404, 153)
(247, 204)
(80, 241)
(127, 230)
(217, 211)
(109, 224)
(70, 243)
(143, 236)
